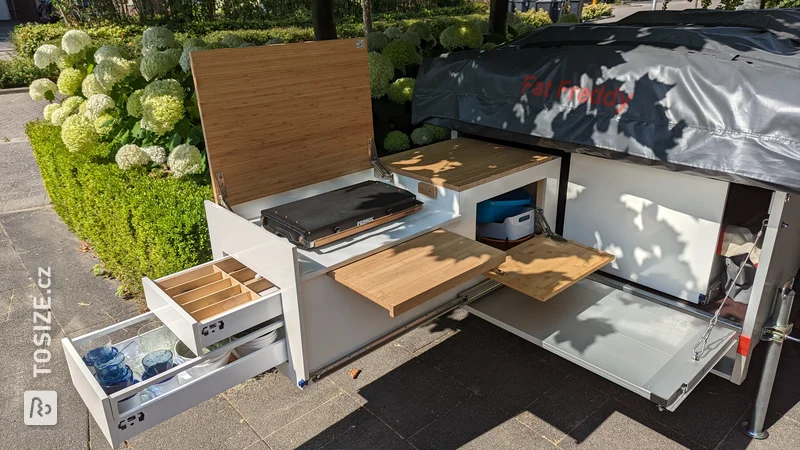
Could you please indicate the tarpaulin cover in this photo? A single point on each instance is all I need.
(713, 93)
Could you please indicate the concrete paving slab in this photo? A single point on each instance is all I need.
(479, 361)
(37, 229)
(71, 430)
(421, 337)
(475, 424)
(18, 109)
(618, 426)
(784, 433)
(21, 186)
(369, 434)
(213, 424)
(704, 417)
(13, 272)
(405, 396)
(320, 425)
(562, 409)
(270, 401)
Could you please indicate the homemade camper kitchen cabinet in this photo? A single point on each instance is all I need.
(617, 299)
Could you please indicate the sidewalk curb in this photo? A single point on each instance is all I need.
(15, 90)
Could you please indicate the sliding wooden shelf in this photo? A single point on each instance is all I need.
(418, 270)
(209, 290)
(542, 267)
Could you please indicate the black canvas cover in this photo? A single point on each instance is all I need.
(714, 93)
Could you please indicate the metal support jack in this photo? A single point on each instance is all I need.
(774, 335)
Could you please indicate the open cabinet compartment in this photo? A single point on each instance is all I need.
(120, 419)
(213, 301)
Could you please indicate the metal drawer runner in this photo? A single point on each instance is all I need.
(638, 344)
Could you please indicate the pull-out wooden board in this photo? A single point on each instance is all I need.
(542, 267)
(418, 270)
(461, 164)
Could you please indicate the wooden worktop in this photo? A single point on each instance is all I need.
(418, 270)
(460, 164)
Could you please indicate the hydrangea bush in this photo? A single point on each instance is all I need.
(141, 104)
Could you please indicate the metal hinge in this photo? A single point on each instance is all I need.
(778, 333)
(382, 171)
(223, 193)
(546, 230)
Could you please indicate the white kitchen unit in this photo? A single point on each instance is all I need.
(334, 303)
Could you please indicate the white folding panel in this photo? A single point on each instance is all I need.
(662, 226)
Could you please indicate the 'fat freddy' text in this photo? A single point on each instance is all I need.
(597, 95)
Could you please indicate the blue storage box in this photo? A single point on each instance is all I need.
(499, 208)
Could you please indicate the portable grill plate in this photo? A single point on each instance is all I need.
(334, 215)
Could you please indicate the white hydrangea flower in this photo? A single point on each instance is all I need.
(131, 156)
(156, 64)
(112, 70)
(165, 87)
(72, 103)
(78, 134)
(46, 55)
(184, 160)
(186, 64)
(158, 37)
(107, 51)
(104, 124)
(90, 86)
(60, 115)
(49, 109)
(75, 41)
(157, 154)
(69, 81)
(97, 105)
(39, 88)
(160, 113)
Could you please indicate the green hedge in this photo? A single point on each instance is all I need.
(139, 226)
(28, 37)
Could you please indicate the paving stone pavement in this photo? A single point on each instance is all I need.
(458, 382)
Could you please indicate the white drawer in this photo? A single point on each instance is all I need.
(120, 419)
(213, 301)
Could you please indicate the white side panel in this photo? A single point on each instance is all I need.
(179, 322)
(338, 321)
(662, 226)
(273, 258)
(780, 259)
(91, 393)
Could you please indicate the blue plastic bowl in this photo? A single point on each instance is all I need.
(499, 208)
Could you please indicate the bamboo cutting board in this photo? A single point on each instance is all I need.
(280, 117)
(418, 270)
(460, 164)
(542, 267)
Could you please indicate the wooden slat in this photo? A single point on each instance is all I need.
(186, 277)
(460, 164)
(280, 117)
(202, 291)
(229, 265)
(418, 270)
(194, 284)
(223, 306)
(542, 267)
(208, 300)
(242, 275)
(259, 285)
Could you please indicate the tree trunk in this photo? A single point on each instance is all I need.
(498, 15)
(366, 14)
(322, 19)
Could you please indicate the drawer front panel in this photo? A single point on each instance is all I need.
(194, 382)
(213, 301)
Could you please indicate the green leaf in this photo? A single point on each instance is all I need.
(137, 130)
(174, 141)
(49, 95)
(89, 69)
(195, 136)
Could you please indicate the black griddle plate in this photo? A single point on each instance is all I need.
(307, 220)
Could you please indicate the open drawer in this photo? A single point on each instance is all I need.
(213, 301)
(134, 409)
(411, 273)
(639, 344)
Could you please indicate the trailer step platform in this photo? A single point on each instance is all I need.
(640, 345)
